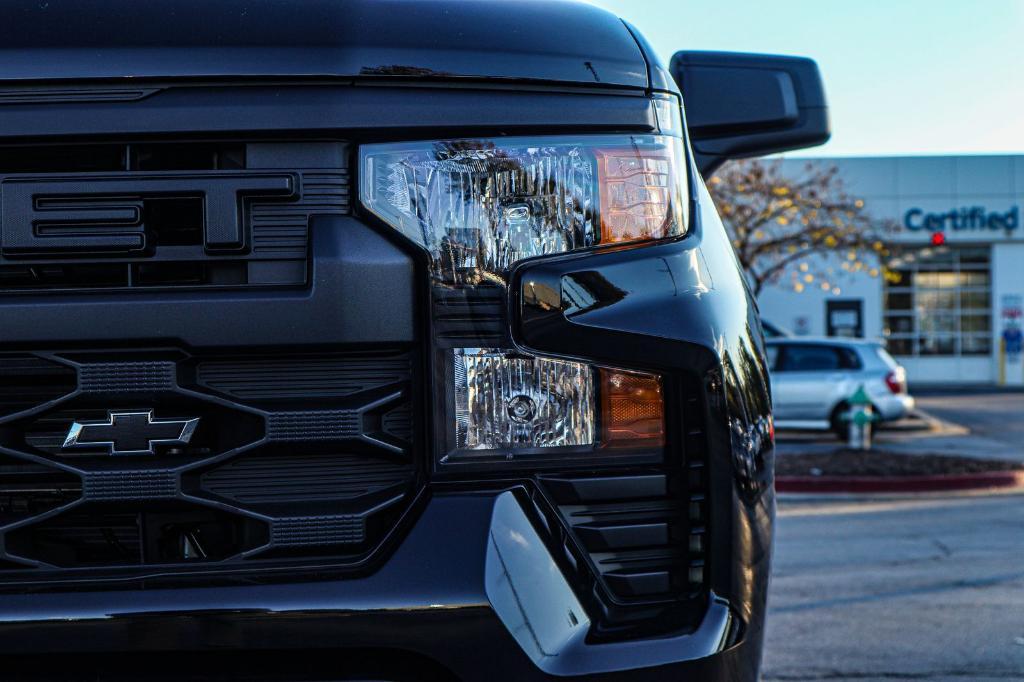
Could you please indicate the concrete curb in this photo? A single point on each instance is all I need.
(1013, 478)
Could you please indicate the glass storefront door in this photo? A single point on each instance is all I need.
(939, 302)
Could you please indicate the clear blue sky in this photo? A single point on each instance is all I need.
(902, 76)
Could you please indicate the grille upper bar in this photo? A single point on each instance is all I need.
(157, 216)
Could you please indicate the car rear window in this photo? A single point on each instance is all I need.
(817, 358)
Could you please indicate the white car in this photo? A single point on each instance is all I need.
(813, 379)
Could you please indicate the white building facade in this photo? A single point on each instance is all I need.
(952, 313)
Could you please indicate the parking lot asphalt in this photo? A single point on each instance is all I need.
(929, 588)
(998, 416)
(977, 423)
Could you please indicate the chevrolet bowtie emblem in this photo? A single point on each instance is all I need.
(130, 433)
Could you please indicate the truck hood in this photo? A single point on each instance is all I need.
(504, 39)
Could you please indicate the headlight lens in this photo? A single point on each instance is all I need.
(507, 401)
(479, 206)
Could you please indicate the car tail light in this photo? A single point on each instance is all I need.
(896, 381)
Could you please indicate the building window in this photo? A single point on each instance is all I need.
(939, 302)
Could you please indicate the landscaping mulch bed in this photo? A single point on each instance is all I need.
(879, 462)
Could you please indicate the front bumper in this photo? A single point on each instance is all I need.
(472, 588)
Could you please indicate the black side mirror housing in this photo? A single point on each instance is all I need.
(742, 105)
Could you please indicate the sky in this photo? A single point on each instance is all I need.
(903, 77)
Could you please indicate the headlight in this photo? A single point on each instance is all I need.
(506, 402)
(478, 206)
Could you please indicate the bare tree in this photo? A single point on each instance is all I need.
(779, 222)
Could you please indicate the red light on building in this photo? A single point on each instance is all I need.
(938, 239)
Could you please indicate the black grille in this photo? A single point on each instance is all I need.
(276, 379)
(27, 381)
(164, 215)
(28, 489)
(295, 457)
(470, 315)
(270, 479)
(644, 534)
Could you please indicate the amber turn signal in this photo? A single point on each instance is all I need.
(638, 194)
(632, 410)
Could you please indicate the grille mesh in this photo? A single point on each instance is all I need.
(316, 472)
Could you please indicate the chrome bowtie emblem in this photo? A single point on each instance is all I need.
(130, 433)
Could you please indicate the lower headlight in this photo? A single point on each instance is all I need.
(508, 404)
(505, 401)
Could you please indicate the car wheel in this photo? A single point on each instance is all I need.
(838, 425)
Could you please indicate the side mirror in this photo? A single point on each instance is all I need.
(741, 105)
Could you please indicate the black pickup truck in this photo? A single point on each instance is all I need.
(390, 340)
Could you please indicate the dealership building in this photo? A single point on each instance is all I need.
(951, 310)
